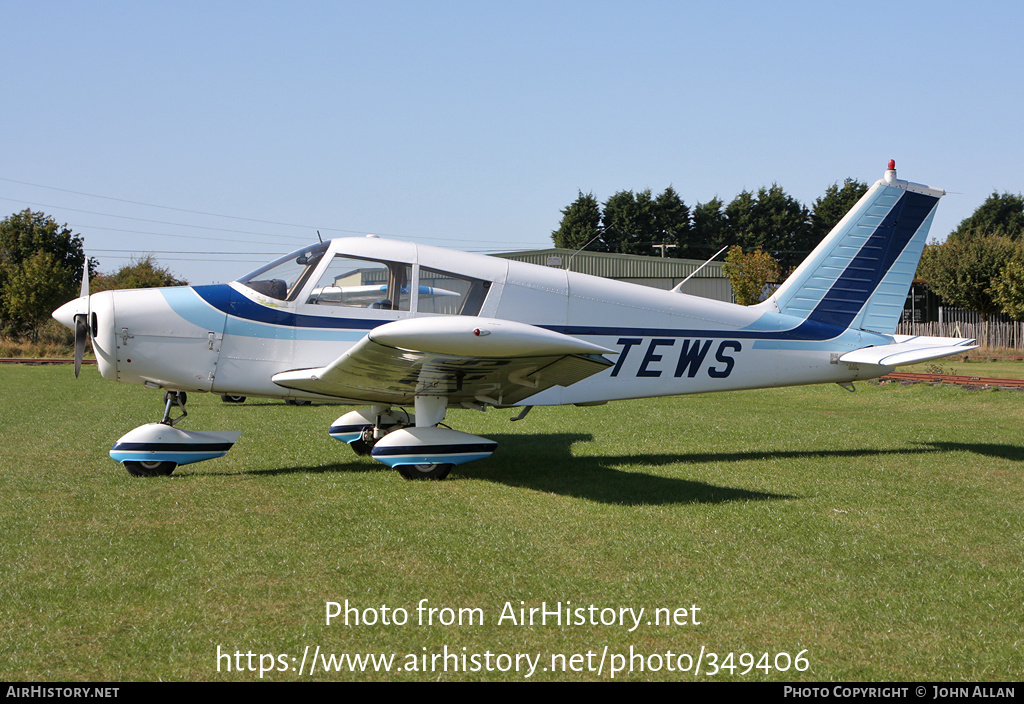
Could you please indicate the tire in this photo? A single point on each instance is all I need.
(150, 469)
(298, 401)
(436, 472)
(361, 447)
(231, 398)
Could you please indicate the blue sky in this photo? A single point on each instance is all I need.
(472, 124)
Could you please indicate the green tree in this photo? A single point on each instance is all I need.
(672, 224)
(23, 237)
(741, 219)
(830, 208)
(33, 289)
(581, 222)
(1000, 214)
(140, 273)
(750, 274)
(628, 223)
(710, 228)
(963, 271)
(772, 221)
(1008, 288)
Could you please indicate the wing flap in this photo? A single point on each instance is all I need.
(467, 360)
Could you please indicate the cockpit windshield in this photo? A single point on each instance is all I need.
(282, 278)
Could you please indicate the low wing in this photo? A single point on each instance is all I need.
(909, 350)
(468, 360)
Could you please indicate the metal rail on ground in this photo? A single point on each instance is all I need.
(958, 379)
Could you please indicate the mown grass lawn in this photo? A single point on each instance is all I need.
(879, 533)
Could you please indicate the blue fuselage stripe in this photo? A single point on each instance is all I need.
(223, 298)
(812, 332)
(227, 300)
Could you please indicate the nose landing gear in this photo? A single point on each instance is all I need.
(172, 399)
(156, 449)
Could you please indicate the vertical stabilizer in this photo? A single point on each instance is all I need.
(859, 275)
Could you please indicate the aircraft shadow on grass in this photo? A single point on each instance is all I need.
(546, 463)
(1014, 453)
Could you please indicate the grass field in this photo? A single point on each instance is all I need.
(877, 534)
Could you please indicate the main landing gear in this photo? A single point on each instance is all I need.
(424, 471)
(414, 445)
(149, 469)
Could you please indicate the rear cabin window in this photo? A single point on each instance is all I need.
(450, 294)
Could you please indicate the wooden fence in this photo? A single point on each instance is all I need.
(1006, 334)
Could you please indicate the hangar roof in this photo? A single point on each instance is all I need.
(617, 266)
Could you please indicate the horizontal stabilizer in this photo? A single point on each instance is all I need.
(909, 350)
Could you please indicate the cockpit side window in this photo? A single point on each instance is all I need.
(284, 278)
(363, 283)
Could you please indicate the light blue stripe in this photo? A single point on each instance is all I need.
(346, 437)
(177, 457)
(248, 328)
(395, 460)
(850, 339)
(184, 301)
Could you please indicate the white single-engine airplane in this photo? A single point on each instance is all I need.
(387, 324)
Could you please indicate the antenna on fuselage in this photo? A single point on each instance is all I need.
(568, 264)
(678, 288)
(319, 237)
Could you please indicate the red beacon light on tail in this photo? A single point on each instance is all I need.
(890, 174)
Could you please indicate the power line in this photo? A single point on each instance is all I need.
(170, 251)
(218, 215)
(123, 257)
(154, 205)
(157, 222)
(168, 234)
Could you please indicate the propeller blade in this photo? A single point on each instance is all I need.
(82, 320)
(81, 332)
(85, 279)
